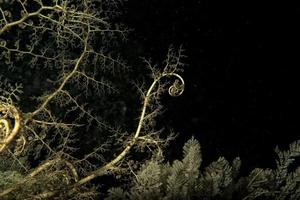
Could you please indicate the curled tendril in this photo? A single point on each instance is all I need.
(2, 43)
(177, 88)
(9, 124)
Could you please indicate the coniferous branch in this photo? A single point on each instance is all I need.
(220, 180)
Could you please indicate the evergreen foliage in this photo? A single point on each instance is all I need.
(61, 72)
(219, 180)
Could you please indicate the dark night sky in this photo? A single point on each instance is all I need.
(241, 75)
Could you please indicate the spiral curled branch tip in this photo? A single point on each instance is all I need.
(177, 88)
(9, 124)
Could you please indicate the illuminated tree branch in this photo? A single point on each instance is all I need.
(8, 133)
(72, 44)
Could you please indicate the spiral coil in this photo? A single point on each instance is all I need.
(9, 124)
(177, 88)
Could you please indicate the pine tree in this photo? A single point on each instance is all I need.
(220, 180)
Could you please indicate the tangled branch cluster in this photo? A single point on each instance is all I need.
(10, 123)
(69, 46)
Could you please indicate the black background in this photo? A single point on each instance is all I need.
(241, 74)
